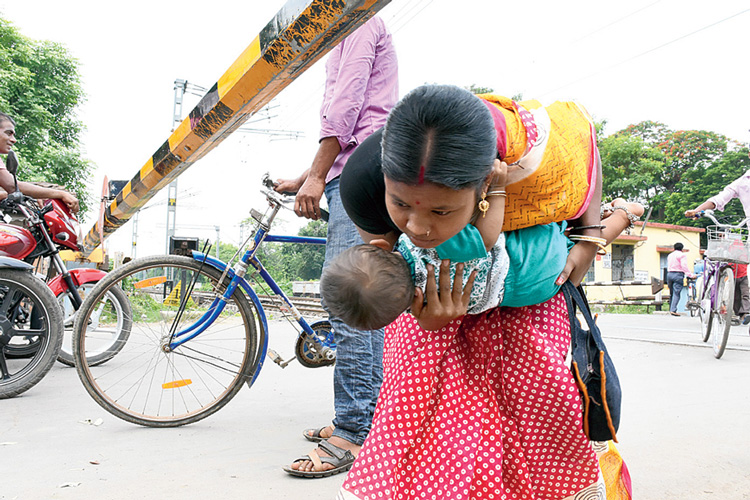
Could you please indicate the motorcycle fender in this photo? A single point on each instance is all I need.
(80, 276)
(10, 262)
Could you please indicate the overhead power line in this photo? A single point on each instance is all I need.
(624, 61)
(616, 21)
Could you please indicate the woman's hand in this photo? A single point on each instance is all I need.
(446, 306)
(579, 260)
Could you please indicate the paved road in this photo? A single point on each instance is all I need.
(685, 429)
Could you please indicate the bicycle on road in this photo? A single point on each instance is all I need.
(199, 331)
(727, 244)
(693, 305)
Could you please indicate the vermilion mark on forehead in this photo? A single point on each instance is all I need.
(420, 180)
(416, 202)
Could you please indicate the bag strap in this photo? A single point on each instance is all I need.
(574, 297)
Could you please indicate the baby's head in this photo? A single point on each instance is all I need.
(367, 287)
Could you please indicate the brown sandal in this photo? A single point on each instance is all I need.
(314, 435)
(340, 458)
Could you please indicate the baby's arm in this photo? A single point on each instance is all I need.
(490, 225)
(615, 220)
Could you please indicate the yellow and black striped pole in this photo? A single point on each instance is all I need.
(298, 35)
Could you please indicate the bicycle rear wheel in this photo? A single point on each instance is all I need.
(110, 323)
(722, 313)
(704, 313)
(149, 384)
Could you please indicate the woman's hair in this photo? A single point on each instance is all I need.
(4, 117)
(440, 134)
(367, 287)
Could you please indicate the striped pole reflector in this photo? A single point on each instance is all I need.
(301, 32)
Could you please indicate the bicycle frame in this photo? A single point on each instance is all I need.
(236, 278)
(714, 267)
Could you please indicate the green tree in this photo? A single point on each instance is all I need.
(478, 89)
(630, 168)
(649, 131)
(226, 250)
(666, 169)
(687, 150)
(702, 183)
(40, 87)
(308, 259)
(288, 262)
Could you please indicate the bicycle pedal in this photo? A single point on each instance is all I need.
(276, 358)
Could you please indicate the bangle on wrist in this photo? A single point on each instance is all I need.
(583, 228)
(496, 192)
(631, 216)
(599, 242)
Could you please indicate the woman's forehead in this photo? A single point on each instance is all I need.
(427, 193)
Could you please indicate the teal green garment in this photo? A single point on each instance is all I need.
(465, 246)
(537, 257)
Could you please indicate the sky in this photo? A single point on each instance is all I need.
(679, 62)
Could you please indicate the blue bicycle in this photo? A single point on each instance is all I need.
(199, 331)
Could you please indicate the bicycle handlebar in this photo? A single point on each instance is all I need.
(709, 214)
(283, 198)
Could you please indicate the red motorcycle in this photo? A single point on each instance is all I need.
(43, 232)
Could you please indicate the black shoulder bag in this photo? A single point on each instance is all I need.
(593, 370)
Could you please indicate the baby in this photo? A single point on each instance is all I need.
(368, 287)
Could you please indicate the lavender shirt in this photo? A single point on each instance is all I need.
(740, 188)
(361, 88)
(677, 263)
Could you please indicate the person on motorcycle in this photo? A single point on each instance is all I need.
(7, 183)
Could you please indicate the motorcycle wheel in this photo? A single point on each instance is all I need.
(29, 316)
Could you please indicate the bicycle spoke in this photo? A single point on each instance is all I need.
(161, 382)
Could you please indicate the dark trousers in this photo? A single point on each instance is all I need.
(675, 280)
(741, 296)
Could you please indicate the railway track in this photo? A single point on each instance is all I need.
(305, 305)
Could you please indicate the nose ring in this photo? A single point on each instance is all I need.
(428, 232)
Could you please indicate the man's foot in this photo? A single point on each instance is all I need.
(746, 319)
(318, 435)
(308, 465)
(674, 313)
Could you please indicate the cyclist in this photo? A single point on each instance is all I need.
(7, 184)
(739, 188)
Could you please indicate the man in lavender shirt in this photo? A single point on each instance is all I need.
(361, 88)
(677, 269)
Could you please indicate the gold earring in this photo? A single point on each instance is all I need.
(484, 205)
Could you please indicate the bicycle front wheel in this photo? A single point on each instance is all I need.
(722, 312)
(704, 313)
(148, 383)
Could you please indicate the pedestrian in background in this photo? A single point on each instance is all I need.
(677, 269)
